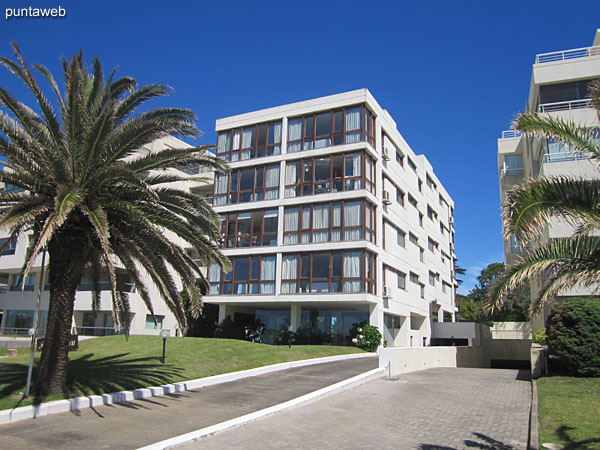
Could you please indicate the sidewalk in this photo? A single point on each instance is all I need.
(139, 423)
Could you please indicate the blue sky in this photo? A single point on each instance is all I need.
(452, 74)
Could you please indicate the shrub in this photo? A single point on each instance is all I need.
(540, 336)
(365, 336)
(573, 335)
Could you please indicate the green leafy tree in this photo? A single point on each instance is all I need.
(573, 335)
(472, 306)
(565, 262)
(90, 199)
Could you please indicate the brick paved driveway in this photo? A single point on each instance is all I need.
(436, 409)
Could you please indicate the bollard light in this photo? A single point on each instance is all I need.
(164, 334)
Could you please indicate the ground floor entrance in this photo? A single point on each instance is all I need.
(310, 324)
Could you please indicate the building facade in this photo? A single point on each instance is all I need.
(330, 219)
(559, 88)
(18, 298)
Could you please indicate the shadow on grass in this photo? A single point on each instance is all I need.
(88, 376)
(482, 442)
(570, 444)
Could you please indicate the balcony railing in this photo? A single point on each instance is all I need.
(565, 106)
(511, 134)
(568, 54)
(97, 331)
(512, 172)
(563, 156)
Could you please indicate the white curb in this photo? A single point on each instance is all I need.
(30, 412)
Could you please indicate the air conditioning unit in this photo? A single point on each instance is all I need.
(384, 153)
(386, 198)
(386, 292)
(451, 221)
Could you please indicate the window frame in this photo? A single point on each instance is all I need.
(269, 149)
(309, 141)
(367, 281)
(340, 183)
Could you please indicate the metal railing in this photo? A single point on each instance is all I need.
(565, 106)
(563, 156)
(568, 54)
(513, 172)
(11, 331)
(96, 331)
(511, 134)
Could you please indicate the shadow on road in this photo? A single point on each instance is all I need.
(482, 442)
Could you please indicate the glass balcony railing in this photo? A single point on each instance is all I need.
(563, 157)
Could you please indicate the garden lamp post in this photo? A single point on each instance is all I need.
(291, 336)
(164, 334)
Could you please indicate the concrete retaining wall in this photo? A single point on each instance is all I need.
(398, 360)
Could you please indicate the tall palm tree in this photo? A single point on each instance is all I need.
(94, 202)
(566, 262)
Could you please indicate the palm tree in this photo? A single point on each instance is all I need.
(566, 262)
(94, 202)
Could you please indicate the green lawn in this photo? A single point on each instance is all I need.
(2, 351)
(111, 364)
(569, 410)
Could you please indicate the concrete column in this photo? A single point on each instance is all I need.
(295, 316)
(223, 312)
(376, 316)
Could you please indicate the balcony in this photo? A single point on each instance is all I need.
(565, 106)
(566, 55)
(563, 157)
(506, 134)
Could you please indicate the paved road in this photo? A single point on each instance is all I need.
(436, 409)
(142, 422)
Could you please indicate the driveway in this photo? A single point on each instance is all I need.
(436, 409)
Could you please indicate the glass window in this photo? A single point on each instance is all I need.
(401, 280)
(9, 246)
(401, 238)
(250, 275)
(341, 126)
(329, 272)
(254, 141)
(150, 325)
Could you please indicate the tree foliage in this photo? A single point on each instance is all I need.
(471, 307)
(95, 203)
(563, 263)
(573, 335)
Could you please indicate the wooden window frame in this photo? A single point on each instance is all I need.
(306, 188)
(367, 283)
(308, 142)
(254, 239)
(255, 149)
(249, 280)
(235, 192)
(302, 228)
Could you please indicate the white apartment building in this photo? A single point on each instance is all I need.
(559, 88)
(18, 301)
(329, 219)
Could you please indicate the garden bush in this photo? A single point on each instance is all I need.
(540, 336)
(365, 336)
(573, 335)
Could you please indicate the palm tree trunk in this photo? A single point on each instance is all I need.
(67, 260)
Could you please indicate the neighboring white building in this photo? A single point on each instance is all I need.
(558, 89)
(18, 302)
(329, 219)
